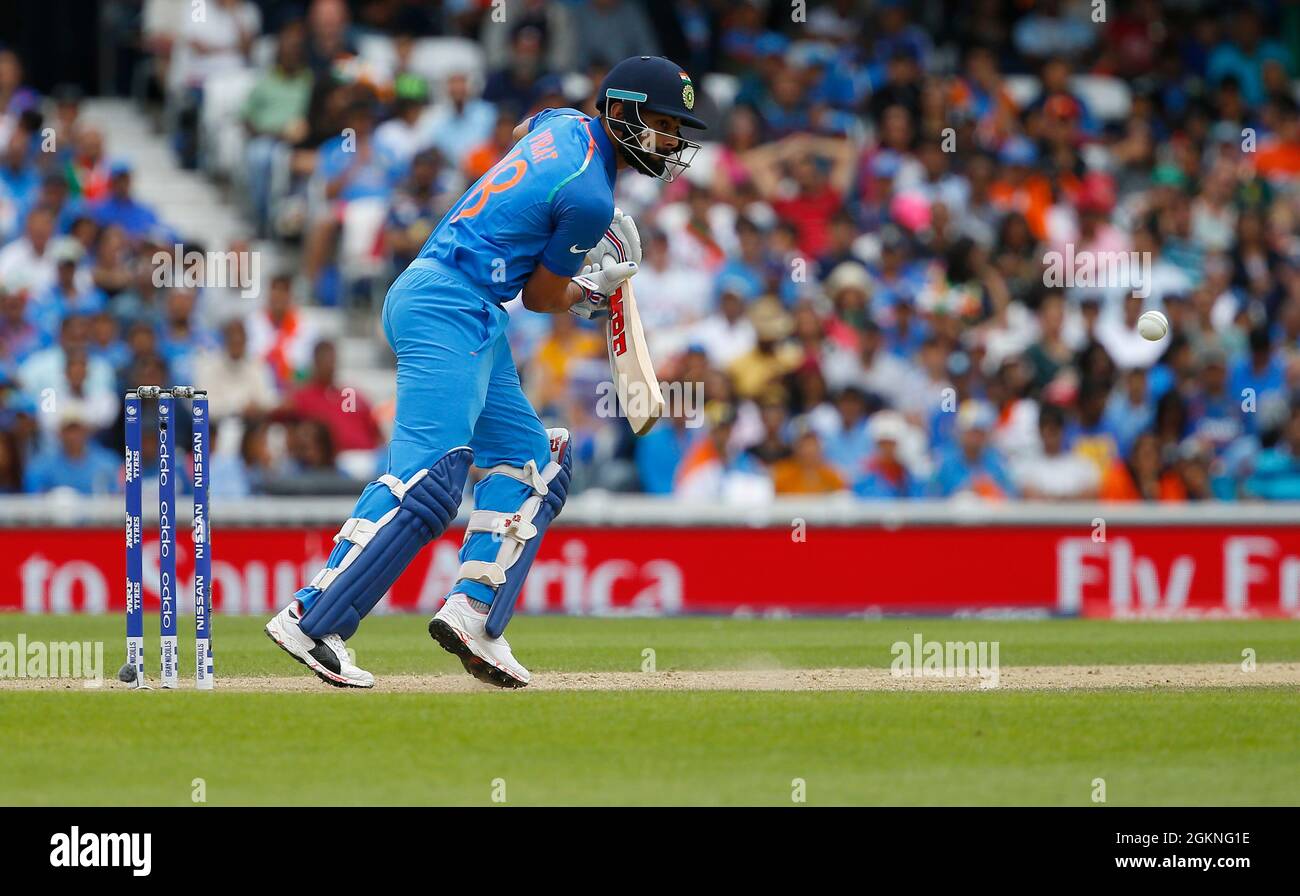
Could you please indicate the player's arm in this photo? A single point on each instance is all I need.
(549, 293)
(580, 222)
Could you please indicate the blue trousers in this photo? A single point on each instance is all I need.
(457, 385)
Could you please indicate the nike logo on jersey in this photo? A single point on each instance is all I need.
(576, 251)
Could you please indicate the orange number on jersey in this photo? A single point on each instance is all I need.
(489, 187)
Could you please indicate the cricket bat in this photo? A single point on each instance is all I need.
(635, 381)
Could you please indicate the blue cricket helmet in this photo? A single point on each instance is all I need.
(658, 84)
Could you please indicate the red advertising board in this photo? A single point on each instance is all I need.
(1185, 570)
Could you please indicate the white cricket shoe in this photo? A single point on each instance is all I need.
(327, 657)
(460, 630)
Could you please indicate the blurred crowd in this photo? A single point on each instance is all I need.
(851, 278)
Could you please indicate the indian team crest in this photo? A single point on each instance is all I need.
(688, 91)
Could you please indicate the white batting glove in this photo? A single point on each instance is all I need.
(597, 283)
(621, 241)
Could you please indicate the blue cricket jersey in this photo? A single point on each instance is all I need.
(547, 202)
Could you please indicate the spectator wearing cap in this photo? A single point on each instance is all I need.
(1051, 472)
(27, 262)
(806, 471)
(973, 466)
(884, 475)
(714, 470)
(66, 296)
(772, 357)
(73, 461)
(119, 208)
(275, 115)
(849, 288)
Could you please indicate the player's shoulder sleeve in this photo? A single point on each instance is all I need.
(551, 113)
(579, 216)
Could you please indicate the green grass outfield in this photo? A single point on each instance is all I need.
(1153, 746)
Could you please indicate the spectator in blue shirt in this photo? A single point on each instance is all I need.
(974, 467)
(120, 208)
(1130, 410)
(1244, 59)
(1261, 371)
(1277, 469)
(65, 297)
(74, 461)
(353, 167)
(849, 447)
(885, 475)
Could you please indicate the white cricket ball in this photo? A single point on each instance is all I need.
(1153, 325)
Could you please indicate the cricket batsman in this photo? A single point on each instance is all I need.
(541, 222)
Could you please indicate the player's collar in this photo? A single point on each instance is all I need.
(608, 154)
